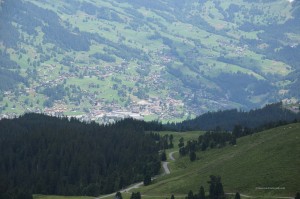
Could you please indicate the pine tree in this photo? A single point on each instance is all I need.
(203, 146)
(182, 151)
(216, 188)
(237, 131)
(163, 156)
(190, 195)
(171, 145)
(133, 195)
(181, 142)
(220, 191)
(147, 180)
(233, 140)
(201, 193)
(237, 196)
(192, 156)
(138, 195)
(118, 195)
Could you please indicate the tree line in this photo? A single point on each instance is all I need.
(227, 119)
(47, 155)
(219, 138)
(163, 142)
(211, 139)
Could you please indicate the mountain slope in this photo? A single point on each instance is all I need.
(265, 159)
(164, 59)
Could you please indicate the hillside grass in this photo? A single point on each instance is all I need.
(266, 159)
(60, 197)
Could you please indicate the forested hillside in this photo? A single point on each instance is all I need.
(269, 116)
(47, 155)
(144, 58)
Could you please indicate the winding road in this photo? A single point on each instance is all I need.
(166, 168)
(137, 185)
(165, 164)
(171, 155)
(133, 186)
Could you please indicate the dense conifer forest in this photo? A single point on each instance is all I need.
(47, 155)
(228, 119)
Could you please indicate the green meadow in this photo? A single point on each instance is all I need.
(263, 164)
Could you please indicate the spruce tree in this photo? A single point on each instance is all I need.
(220, 191)
(182, 151)
(237, 131)
(181, 142)
(190, 195)
(163, 156)
(201, 193)
(237, 196)
(118, 195)
(216, 188)
(171, 145)
(133, 195)
(138, 195)
(192, 156)
(233, 140)
(147, 180)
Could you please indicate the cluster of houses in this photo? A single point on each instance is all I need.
(104, 111)
(108, 113)
(238, 50)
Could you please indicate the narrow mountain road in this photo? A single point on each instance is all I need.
(165, 164)
(137, 185)
(171, 155)
(133, 186)
(166, 168)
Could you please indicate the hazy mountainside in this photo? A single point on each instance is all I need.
(47, 155)
(163, 59)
